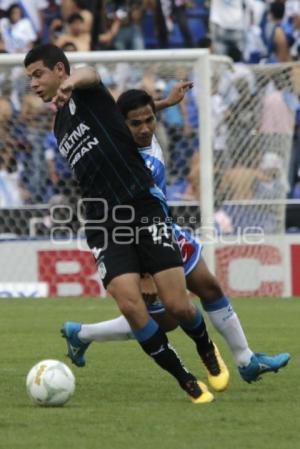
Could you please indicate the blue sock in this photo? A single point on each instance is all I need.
(146, 332)
(219, 304)
(197, 331)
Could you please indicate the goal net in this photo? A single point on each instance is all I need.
(253, 120)
(226, 146)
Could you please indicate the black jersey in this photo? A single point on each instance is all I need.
(93, 136)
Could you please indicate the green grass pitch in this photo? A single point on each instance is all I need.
(124, 401)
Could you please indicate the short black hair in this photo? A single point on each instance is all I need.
(134, 99)
(11, 8)
(49, 54)
(82, 4)
(74, 18)
(234, 53)
(277, 9)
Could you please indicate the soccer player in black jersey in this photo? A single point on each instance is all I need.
(127, 223)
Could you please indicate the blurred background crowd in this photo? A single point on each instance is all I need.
(246, 30)
(259, 104)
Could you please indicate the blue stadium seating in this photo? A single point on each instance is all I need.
(197, 19)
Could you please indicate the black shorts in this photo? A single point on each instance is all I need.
(138, 238)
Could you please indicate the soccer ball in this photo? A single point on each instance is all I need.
(50, 383)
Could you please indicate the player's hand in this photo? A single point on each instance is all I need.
(178, 91)
(63, 93)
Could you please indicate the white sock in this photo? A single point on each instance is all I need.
(227, 323)
(112, 330)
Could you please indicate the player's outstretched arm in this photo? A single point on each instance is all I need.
(82, 78)
(175, 96)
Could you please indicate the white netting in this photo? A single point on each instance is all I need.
(253, 116)
(253, 110)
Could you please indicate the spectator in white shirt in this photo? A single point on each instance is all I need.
(16, 31)
(34, 11)
(10, 191)
(227, 25)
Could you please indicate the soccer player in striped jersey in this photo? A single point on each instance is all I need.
(139, 109)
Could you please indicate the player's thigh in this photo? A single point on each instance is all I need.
(119, 268)
(114, 259)
(155, 237)
(160, 256)
(171, 287)
(158, 252)
(203, 283)
(165, 265)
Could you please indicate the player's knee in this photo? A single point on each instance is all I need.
(180, 309)
(175, 297)
(212, 291)
(129, 302)
(120, 288)
(166, 321)
(112, 290)
(129, 307)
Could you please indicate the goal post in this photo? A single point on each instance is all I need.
(152, 70)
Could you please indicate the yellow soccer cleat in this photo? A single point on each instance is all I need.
(198, 392)
(216, 370)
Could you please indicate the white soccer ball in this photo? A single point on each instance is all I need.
(50, 383)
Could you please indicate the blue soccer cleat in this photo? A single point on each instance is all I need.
(261, 363)
(76, 348)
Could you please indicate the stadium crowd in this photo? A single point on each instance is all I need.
(249, 32)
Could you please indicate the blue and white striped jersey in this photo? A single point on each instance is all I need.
(154, 160)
